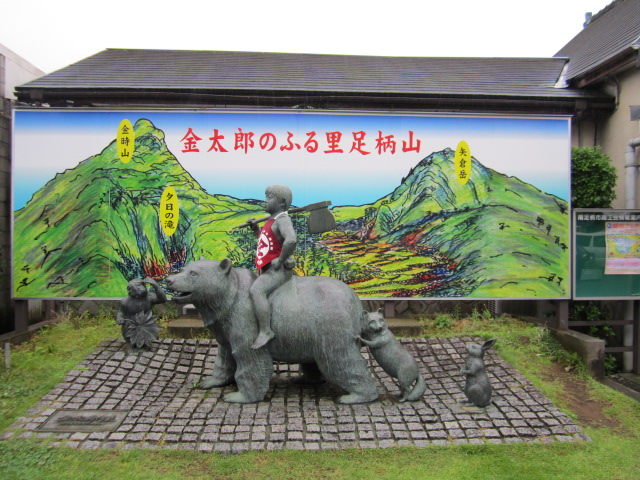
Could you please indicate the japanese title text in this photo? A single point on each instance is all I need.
(313, 142)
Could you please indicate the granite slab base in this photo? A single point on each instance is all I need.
(159, 406)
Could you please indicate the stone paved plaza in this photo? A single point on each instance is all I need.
(157, 406)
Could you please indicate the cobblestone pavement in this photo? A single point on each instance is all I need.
(162, 409)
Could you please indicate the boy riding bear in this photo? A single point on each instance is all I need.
(276, 243)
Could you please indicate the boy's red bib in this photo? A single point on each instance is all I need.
(269, 247)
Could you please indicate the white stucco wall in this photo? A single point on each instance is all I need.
(17, 71)
(615, 131)
(618, 130)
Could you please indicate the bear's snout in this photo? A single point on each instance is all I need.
(174, 283)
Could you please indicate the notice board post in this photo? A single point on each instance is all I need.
(607, 267)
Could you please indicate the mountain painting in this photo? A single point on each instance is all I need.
(425, 206)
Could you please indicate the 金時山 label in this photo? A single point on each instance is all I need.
(125, 141)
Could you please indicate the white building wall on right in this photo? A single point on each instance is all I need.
(619, 129)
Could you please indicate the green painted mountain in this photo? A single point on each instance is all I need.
(494, 237)
(92, 228)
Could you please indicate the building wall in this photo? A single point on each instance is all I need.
(618, 130)
(584, 132)
(14, 70)
(6, 308)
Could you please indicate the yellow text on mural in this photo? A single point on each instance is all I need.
(169, 211)
(125, 141)
(462, 162)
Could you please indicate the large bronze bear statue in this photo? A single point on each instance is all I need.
(316, 321)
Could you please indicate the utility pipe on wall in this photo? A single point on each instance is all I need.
(631, 175)
(631, 172)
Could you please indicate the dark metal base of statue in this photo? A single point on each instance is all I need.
(318, 322)
(139, 326)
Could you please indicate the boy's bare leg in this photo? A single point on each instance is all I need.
(260, 290)
(263, 315)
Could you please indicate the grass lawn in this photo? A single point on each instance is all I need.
(609, 418)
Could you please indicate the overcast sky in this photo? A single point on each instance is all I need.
(53, 34)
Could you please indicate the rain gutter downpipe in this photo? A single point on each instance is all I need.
(631, 172)
(631, 175)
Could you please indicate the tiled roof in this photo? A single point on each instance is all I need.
(237, 72)
(609, 34)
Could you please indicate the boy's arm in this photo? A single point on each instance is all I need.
(375, 342)
(283, 227)
(120, 318)
(159, 295)
(253, 225)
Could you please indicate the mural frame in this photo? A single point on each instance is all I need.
(446, 165)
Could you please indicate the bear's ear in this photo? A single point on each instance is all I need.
(202, 257)
(225, 266)
(381, 310)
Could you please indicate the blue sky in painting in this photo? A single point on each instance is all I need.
(536, 150)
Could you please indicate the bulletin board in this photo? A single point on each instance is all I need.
(606, 246)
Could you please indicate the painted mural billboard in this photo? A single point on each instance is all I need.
(426, 206)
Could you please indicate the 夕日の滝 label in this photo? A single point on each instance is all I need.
(169, 211)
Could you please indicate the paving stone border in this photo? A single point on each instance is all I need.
(166, 411)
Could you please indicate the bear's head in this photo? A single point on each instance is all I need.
(202, 281)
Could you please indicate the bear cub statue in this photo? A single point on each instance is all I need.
(394, 359)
